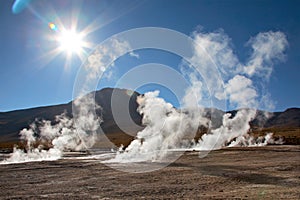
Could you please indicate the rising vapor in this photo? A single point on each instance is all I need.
(163, 131)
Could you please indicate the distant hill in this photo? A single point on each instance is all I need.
(288, 118)
(14, 121)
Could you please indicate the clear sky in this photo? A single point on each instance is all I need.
(31, 77)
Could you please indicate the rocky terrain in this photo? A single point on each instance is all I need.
(271, 172)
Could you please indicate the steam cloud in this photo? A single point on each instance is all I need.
(62, 136)
(267, 48)
(163, 132)
(166, 128)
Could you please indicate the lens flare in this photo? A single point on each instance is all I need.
(19, 6)
(52, 26)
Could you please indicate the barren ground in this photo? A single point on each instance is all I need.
(271, 172)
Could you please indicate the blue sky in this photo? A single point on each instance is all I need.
(30, 78)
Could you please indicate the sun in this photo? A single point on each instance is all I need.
(66, 39)
(70, 42)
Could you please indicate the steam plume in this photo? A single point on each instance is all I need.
(166, 128)
(162, 121)
(62, 136)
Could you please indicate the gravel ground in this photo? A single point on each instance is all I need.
(271, 172)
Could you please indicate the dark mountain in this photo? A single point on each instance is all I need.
(264, 119)
(124, 101)
(12, 122)
(288, 118)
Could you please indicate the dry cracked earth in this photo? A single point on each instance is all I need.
(271, 172)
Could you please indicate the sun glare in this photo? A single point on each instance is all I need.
(70, 42)
(67, 38)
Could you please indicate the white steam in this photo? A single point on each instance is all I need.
(215, 46)
(98, 61)
(166, 127)
(231, 128)
(63, 135)
(268, 47)
(250, 141)
(241, 92)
